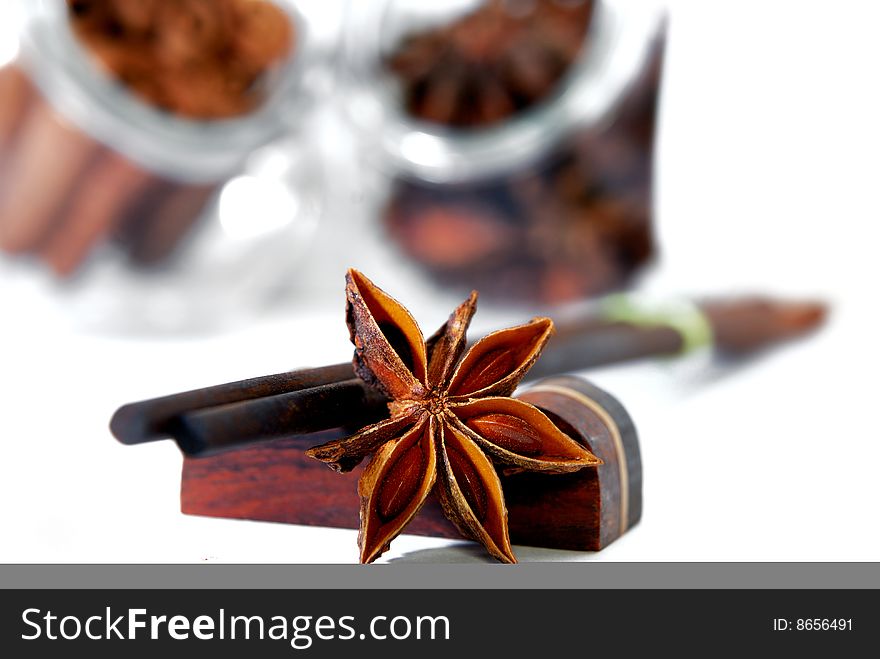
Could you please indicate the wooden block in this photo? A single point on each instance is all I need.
(597, 505)
(585, 510)
(277, 482)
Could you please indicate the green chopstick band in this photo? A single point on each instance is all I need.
(683, 316)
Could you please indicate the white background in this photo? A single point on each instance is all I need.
(768, 181)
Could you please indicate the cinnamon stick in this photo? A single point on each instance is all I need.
(62, 193)
(49, 159)
(16, 92)
(112, 185)
(162, 230)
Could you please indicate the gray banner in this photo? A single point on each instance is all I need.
(569, 575)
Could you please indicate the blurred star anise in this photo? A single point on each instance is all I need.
(502, 58)
(451, 418)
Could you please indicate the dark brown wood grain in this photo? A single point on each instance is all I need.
(600, 510)
(275, 481)
(152, 419)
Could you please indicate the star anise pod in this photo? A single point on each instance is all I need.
(502, 58)
(451, 418)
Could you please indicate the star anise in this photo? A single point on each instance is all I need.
(451, 417)
(502, 58)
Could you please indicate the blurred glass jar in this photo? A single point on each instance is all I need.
(155, 216)
(515, 138)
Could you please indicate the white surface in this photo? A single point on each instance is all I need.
(769, 182)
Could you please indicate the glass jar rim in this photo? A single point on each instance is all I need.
(620, 35)
(184, 149)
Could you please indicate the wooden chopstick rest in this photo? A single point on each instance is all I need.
(586, 510)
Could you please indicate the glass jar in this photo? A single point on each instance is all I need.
(546, 202)
(150, 219)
